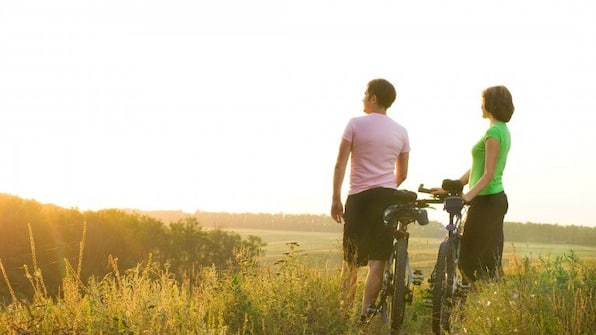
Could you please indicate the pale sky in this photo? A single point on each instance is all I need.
(239, 106)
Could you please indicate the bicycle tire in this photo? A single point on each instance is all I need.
(398, 300)
(449, 287)
(385, 303)
(438, 280)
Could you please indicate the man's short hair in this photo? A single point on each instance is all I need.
(383, 90)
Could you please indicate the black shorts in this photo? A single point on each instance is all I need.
(365, 235)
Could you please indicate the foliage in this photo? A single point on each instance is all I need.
(47, 236)
(146, 299)
(551, 297)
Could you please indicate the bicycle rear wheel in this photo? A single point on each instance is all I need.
(387, 289)
(439, 281)
(398, 301)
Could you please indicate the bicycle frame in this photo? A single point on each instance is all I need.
(446, 284)
(398, 277)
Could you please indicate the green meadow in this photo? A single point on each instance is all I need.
(324, 248)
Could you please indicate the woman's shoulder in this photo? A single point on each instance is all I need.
(499, 126)
(497, 130)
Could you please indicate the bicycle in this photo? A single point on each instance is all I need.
(398, 277)
(447, 287)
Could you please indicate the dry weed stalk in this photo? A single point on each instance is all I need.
(37, 275)
(81, 248)
(10, 289)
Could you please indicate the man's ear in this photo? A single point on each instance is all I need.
(373, 99)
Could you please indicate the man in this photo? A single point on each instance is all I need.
(378, 150)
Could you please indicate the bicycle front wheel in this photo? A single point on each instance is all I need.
(438, 288)
(444, 287)
(398, 301)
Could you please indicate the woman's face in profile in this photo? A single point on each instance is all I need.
(485, 114)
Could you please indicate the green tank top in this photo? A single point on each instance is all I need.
(500, 132)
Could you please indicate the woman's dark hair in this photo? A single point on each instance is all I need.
(383, 90)
(498, 102)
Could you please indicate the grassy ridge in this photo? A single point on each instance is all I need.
(296, 290)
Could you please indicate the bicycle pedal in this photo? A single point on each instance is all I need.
(417, 277)
(371, 310)
(464, 286)
(463, 289)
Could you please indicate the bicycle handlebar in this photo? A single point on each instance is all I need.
(453, 187)
(421, 203)
(452, 199)
(436, 198)
(422, 189)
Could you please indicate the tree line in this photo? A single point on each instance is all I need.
(514, 231)
(50, 238)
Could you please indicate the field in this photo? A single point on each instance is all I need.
(324, 249)
(547, 289)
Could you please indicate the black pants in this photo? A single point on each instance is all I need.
(482, 241)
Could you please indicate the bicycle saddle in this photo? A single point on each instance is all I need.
(405, 196)
(453, 187)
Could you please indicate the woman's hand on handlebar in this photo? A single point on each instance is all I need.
(438, 191)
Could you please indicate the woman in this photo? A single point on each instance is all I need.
(482, 241)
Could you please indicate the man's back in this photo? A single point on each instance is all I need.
(377, 141)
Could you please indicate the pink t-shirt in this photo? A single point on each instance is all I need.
(377, 140)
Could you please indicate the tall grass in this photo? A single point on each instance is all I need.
(287, 298)
(550, 296)
(290, 297)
